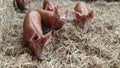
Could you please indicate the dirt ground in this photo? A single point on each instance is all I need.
(99, 48)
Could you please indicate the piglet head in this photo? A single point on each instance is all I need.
(25, 3)
(60, 17)
(37, 44)
(84, 20)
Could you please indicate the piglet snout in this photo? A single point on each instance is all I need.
(41, 57)
(63, 20)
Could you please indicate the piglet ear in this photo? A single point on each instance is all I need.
(57, 7)
(47, 36)
(77, 15)
(47, 7)
(55, 10)
(66, 12)
(34, 37)
(91, 14)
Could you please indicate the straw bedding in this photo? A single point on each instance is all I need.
(68, 47)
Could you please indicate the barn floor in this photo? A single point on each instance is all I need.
(99, 48)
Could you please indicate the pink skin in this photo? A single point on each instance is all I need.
(84, 20)
(48, 8)
(37, 44)
(33, 34)
(26, 3)
(48, 5)
(61, 17)
(54, 19)
(21, 4)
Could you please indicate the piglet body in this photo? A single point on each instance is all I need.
(48, 5)
(54, 19)
(33, 35)
(21, 4)
(83, 16)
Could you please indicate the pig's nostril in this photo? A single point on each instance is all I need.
(63, 19)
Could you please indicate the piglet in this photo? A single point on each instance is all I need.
(48, 5)
(83, 16)
(33, 34)
(21, 4)
(54, 19)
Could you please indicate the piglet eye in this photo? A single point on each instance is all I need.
(58, 16)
